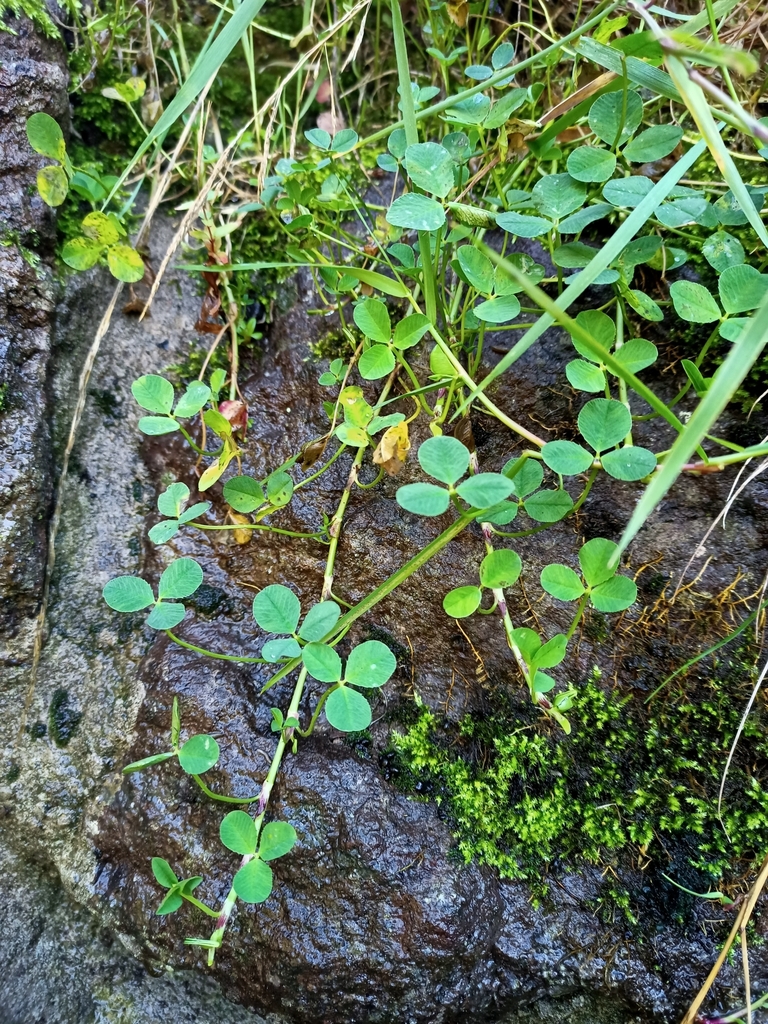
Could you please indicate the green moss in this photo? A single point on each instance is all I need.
(35, 10)
(521, 797)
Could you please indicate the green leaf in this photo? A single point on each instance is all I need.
(643, 304)
(423, 499)
(219, 424)
(542, 683)
(320, 620)
(276, 609)
(477, 268)
(45, 136)
(500, 569)
(472, 110)
(411, 330)
(370, 664)
(522, 225)
(253, 882)
(180, 579)
(322, 662)
(742, 288)
(583, 218)
(171, 903)
(416, 213)
(162, 532)
(430, 167)
(498, 310)
(153, 393)
(279, 489)
(502, 514)
(485, 489)
(376, 362)
(528, 642)
(588, 163)
(347, 710)
(344, 140)
(80, 253)
(244, 494)
(552, 652)
(163, 872)
(604, 422)
(722, 251)
(276, 650)
(573, 255)
(355, 436)
(318, 137)
(383, 422)
(636, 354)
(615, 595)
(640, 250)
(585, 376)
(614, 116)
(372, 317)
(173, 499)
(53, 187)
(125, 263)
(731, 329)
(594, 558)
(600, 326)
(238, 832)
(193, 400)
(194, 511)
(199, 754)
(627, 192)
(462, 602)
(128, 594)
(444, 458)
(548, 506)
(561, 582)
(693, 302)
(153, 426)
(527, 478)
(147, 762)
(502, 109)
(557, 195)
(629, 463)
(653, 144)
(502, 56)
(567, 457)
(277, 839)
(166, 615)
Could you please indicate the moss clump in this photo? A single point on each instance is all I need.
(521, 798)
(35, 10)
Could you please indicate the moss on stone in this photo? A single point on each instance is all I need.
(35, 10)
(521, 796)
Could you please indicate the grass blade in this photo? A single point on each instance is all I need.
(729, 376)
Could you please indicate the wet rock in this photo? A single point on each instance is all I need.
(33, 77)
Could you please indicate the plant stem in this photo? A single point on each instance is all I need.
(213, 654)
(229, 903)
(225, 799)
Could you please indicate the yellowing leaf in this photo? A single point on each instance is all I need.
(241, 536)
(392, 450)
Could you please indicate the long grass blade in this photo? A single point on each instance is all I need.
(727, 379)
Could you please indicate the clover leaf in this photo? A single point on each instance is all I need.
(132, 594)
(607, 590)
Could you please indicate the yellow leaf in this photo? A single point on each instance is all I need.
(241, 536)
(393, 448)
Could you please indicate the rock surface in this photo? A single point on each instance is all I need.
(372, 919)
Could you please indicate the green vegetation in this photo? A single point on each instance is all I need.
(608, 156)
(627, 779)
